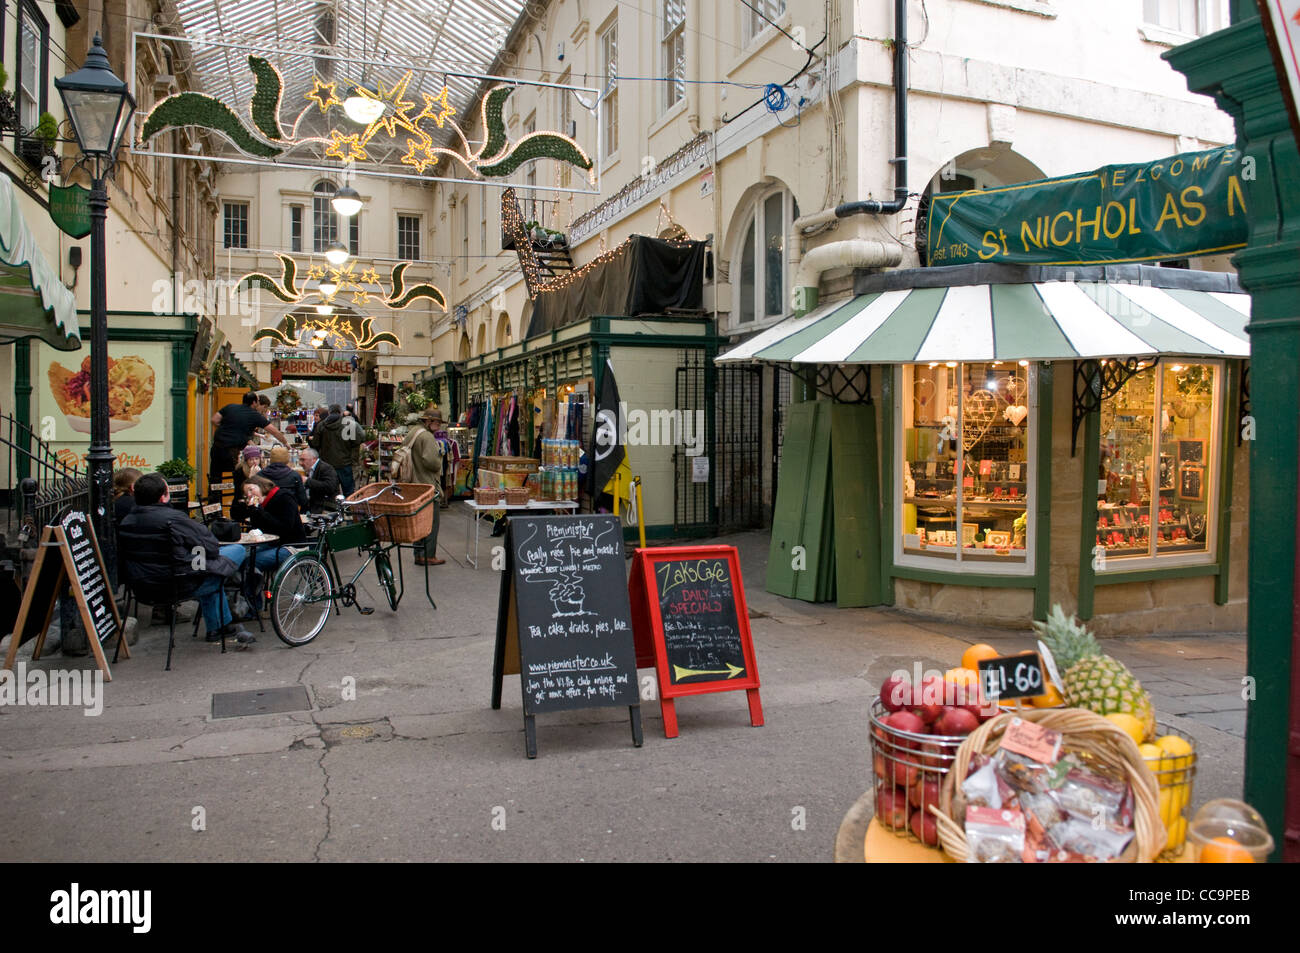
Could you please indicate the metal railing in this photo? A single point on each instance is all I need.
(40, 485)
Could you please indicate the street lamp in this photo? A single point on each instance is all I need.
(337, 253)
(100, 108)
(346, 201)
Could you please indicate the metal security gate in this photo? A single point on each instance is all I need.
(730, 402)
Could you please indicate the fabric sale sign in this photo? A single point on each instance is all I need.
(1178, 207)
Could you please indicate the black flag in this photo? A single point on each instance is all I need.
(608, 439)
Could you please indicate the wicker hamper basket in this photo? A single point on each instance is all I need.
(517, 495)
(488, 495)
(410, 519)
(1084, 732)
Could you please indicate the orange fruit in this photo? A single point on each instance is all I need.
(1225, 850)
(962, 676)
(972, 656)
(1049, 699)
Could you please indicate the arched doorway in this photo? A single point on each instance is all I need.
(983, 168)
(503, 335)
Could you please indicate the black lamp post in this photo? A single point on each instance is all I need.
(100, 107)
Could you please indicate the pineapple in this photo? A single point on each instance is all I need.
(1093, 680)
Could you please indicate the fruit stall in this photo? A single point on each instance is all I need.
(1048, 756)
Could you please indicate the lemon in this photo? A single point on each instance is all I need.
(1168, 810)
(1151, 753)
(1130, 725)
(1177, 834)
(1178, 755)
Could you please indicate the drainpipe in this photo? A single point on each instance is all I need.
(860, 253)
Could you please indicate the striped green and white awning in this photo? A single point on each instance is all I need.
(1033, 320)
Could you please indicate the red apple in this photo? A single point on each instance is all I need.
(928, 701)
(905, 721)
(957, 721)
(891, 807)
(924, 794)
(925, 827)
(896, 693)
(932, 757)
(896, 772)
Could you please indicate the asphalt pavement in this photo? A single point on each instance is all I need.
(399, 755)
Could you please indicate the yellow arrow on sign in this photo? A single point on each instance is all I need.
(731, 671)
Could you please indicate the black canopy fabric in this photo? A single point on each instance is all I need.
(644, 276)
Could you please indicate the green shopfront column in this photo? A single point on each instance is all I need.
(1235, 67)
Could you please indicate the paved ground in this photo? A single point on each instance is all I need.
(418, 767)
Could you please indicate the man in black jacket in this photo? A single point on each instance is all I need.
(322, 482)
(336, 439)
(196, 555)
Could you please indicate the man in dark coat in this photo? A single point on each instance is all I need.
(196, 558)
(321, 480)
(336, 439)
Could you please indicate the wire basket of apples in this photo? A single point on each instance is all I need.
(916, 730)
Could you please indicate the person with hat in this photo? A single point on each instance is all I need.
(426, 467)
(282, 475)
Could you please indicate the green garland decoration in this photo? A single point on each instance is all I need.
(540, 145)
(272, 334)
(368, 341)
(400, 297)
(494, 122)
(266, 98)
(419, 291)
(290, 275)
(197, 109)
(259, 280)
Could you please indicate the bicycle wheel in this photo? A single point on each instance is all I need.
(302, 597)
(386, 582)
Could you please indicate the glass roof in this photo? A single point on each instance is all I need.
(346, 41)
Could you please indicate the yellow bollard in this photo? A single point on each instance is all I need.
(640, 512)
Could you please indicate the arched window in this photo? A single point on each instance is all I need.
(503, 330)
(481, 341)
(758, 267)
(324, 220)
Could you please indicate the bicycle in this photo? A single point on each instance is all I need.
(306, 587)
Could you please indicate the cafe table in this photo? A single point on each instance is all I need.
(250, 541)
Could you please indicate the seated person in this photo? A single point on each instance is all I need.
(282, 475)
(321, 480)
(124, 492)
(154, 516)
(272, 510)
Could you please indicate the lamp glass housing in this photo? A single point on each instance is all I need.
(347, 201)
(337, 253)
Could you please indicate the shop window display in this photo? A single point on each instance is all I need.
(1157, 440)
(967, 481)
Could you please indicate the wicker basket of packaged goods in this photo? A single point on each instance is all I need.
(517, 495)
(1079, 791)
(409, 508)
(489, 495)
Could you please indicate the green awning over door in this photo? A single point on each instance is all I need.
(33, 300)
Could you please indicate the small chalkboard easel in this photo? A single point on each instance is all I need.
(563, 620)
(69, 558)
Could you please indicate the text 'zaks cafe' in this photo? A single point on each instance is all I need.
(1046, 414)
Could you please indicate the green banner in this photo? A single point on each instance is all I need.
(70, 209)
(1186, 205)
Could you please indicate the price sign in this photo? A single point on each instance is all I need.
(1012, 676)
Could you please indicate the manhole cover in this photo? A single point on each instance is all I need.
(260, 701)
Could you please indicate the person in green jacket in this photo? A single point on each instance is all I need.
(426, 466)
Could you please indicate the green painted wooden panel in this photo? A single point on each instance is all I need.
(817, 536)
(791, 497)
(856, 494)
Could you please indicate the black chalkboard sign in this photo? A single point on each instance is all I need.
(90, 578)
(697, 604)
(69, 562)
(564, 623)
(691, 623)
(1012, 676)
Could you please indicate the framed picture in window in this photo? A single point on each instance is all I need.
(997, 539)
(1191, 482)
(1191, 451)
